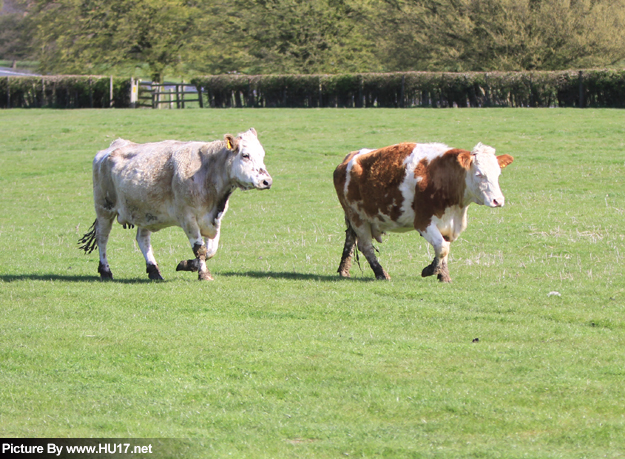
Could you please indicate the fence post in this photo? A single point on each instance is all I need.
(199, 96)
(401, 99)
(111, 92)
(8, 92)
(134, 93)
(360, 84)
(177, 96)
(182, 94)
(581, 89)
(90, 94)
(43, 92)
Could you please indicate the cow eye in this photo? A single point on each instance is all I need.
(245, 155)
(478, 174)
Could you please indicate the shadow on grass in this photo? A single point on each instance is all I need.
(252, 274)
(66, 278)
(291, 276)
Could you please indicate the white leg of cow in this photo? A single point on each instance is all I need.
(212, 245)
(441, 251)
(102, 230)
(143, 239)
(365, 245)
(200, 252)
(194, 265)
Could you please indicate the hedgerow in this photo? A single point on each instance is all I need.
(571, 88)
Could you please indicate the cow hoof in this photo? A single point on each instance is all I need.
(383, 276)
(188, 265)
(205, 276)
(444, 277)
(431, 269)
(105, 273)
(344, 273)
(153, 272)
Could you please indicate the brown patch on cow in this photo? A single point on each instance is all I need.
(465, 158)
(375, 180)
(442, 185)
(504, 160)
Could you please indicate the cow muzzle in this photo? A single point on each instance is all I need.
(496, 202)
(264, 181)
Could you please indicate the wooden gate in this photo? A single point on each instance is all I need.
(163, 95)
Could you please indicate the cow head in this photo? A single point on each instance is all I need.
(483, 171)
(248, 167)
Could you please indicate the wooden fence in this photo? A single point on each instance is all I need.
(163, 95)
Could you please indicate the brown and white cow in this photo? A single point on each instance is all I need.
(187, 184)
(427, 187)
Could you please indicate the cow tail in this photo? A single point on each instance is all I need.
(88, 241)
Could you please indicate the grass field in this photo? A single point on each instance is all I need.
(278, 357)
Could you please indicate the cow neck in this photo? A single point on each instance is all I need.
(217, 162)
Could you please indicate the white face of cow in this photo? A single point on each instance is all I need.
(483, 176)
(248, 167)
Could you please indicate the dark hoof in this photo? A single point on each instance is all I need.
(105, 273)
(444, 277)
(383, 276)
(205, 276)
(431, 269)
(188, 265)
(153, 272)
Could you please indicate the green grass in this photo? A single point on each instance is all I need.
(278, 357)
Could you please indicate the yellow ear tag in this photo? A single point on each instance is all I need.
(229, 144)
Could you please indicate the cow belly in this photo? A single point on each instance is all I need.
(146, 218)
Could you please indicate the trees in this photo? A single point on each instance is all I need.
(319, 36)
(14, 36)
(460, 35)
(81, 36)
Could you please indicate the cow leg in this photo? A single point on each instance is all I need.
(103, 227)
(212, 245)
(348, 251)
(365, 245)
(441, 252)
(199, 250)
(143, 239)
(194, 265)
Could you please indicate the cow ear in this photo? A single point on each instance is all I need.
(253, 131)
(232, 143)
(465, 159)
(504, 160)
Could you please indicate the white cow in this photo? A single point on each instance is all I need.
(156, 185)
